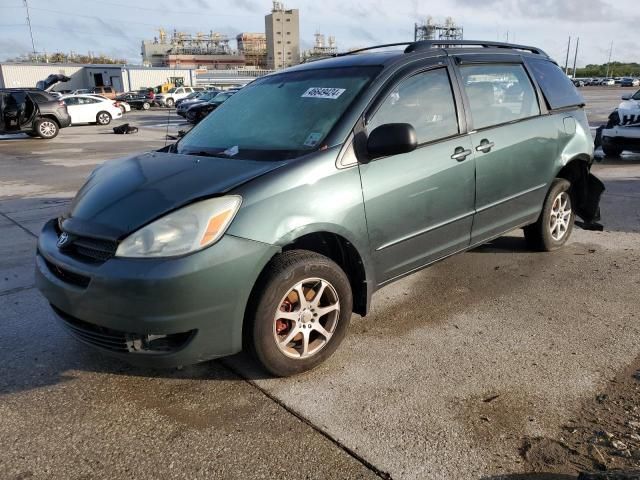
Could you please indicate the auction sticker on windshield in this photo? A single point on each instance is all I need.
(322, 92)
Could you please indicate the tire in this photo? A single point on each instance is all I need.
(547, 234)
(611, 151)
(169, 102)
(146, 106)
(46, 128)
(275, 294)
(103, 118)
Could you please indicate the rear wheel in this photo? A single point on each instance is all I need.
(169, 102)
(103, 118)
(300, 313)
(146, 106)
(46, 128)
(554, 227)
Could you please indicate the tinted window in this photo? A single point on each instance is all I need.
(557, 88)
(499, 94)
(71, 100)
(39, 97)
(279, 116)
(425, 101)
(636, 96)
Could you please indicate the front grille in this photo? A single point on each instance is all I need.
(68, 276)
(89, 248)
(122, 342)
(93, 248)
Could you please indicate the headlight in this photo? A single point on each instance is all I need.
(187, 230)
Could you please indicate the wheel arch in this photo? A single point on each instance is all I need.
(48, 117)
(586, 189)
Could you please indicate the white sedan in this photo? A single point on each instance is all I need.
(88, 109)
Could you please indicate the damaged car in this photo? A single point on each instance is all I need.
(282, 212)
(622, 131)
(34, 112)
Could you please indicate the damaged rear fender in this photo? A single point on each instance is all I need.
(586, 190)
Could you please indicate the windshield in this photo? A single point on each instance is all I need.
(219, 98)
(637, 95)
(173, 90)
(278, 117)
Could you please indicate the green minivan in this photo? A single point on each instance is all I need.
(279, 215)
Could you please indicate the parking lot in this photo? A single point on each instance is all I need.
(492, 363)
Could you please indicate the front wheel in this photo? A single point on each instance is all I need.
(169, 102)
(554, 227)
(299, 314)
(611, 151)
(103, 118)
(146, 106)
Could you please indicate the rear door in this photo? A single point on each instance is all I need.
(419, 205)
(515, 146)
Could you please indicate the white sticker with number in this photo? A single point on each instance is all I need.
(324, 92)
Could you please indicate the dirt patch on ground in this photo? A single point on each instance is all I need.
(604, 437)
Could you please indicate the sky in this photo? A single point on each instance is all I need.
(116, 28)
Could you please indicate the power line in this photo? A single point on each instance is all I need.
(33, 45)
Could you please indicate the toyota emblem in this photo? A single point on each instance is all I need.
(63, 240)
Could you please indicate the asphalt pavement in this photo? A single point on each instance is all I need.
(454, 367)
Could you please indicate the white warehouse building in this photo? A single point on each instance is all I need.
(121, 77)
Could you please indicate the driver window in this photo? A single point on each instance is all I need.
(426, 102)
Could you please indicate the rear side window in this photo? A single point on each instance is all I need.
(499, 94)
(558, 89)
(424, 101)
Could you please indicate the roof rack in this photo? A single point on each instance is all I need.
(428, 44)
(375, 47)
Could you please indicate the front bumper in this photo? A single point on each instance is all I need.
(121, 305)
(626, 138)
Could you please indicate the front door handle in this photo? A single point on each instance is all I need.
(460, 154)
(485, 146)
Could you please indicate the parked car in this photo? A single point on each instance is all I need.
(627, 82)
(108, 92)
(578, 82)
(191, 96)
(124, 106)
(202, 97)
(170, 98)
(32, 111)
(80, 91)
(622, 131)
(282, 212)
(608, 82)
(91, 109)
(197, 112)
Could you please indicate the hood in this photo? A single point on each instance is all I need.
(123, 195)
(49, 82)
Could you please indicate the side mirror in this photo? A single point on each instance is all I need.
(626, 96)
(391, 139)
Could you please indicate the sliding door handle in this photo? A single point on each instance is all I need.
(461, 154)
(485, 146)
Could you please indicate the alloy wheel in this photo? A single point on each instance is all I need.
(47, 128)
(560, 218)
(306, 318)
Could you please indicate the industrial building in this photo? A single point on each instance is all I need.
(182, 50)
(431, 30)
(121, 77)
(282, 28)
(253, 47)
(321, 48)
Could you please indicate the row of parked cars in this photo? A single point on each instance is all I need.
(607, 82)
(198, 105)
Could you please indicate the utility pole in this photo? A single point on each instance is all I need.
(33, 45)
(575, 59)
(609, 60)
(566, 63)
